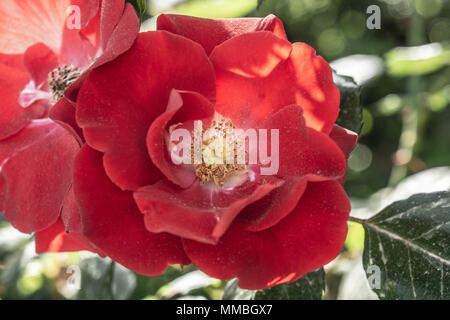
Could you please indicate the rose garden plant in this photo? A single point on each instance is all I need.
(88, 111)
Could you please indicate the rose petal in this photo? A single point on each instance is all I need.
(268, 211)
(344, 138)
(36, 165)
(70, 213)
(63, 112)
(303, 79)
(261, 51)
(111, 14)
(39, 61)
(89, 9)
(197, 213)
(120, 100)
(122, 36)
(76, 49)
(212, 32)
(182, 106)
(243, 65)
(13, 61)
(308, 238)
(12, 116)
(26, 22)
(304, 152)
(118, 42)
(113, 223)
(56, 239)
(313, 87)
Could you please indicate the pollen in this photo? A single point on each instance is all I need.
(61, 78)
(220, 150)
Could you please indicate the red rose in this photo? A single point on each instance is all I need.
(145, 212)
(47, 48)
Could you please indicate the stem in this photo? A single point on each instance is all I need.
(357, 220)
(411, 111)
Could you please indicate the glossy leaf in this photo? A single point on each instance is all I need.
(309, 287)
(350, 116)
(406, 246)
(418, 60)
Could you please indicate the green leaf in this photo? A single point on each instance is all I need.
(142, 5)
(350, 116)
(419, 60)
(309, 287)
(216, 9)
(104, 279)
(233, 292)
(409, 242)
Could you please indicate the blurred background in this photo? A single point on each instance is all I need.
(403, 69)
